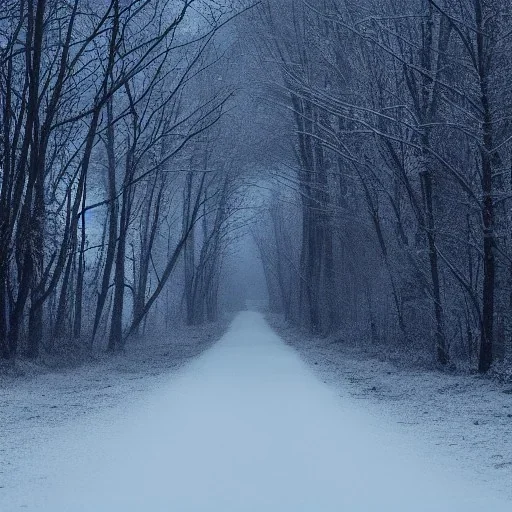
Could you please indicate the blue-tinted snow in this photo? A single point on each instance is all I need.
(246, 427)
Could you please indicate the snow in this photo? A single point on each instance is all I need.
(41, 400)
(245, 427)
(465, 419)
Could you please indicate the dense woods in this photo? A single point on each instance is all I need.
(134, 134)
(402, 173)
(109, 172)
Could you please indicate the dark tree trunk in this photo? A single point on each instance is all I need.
(5, 352)
(489, 276)
(113, 210)
(489, 271)
(441, 349)
(79, 292)
(116, 327)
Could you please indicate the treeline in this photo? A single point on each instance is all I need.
(109, 175)
(401, 227)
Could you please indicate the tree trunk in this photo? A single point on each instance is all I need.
(113, 210)
(441, 349)
(116, 326)
(79, 292)
(489, 271)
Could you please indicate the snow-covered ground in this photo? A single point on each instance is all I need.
(246, 427)
(466, 419)
(42, 402)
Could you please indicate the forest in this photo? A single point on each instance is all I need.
(360, 148)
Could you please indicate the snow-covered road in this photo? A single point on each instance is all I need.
(246, 427)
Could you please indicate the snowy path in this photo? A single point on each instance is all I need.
(247, 428)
